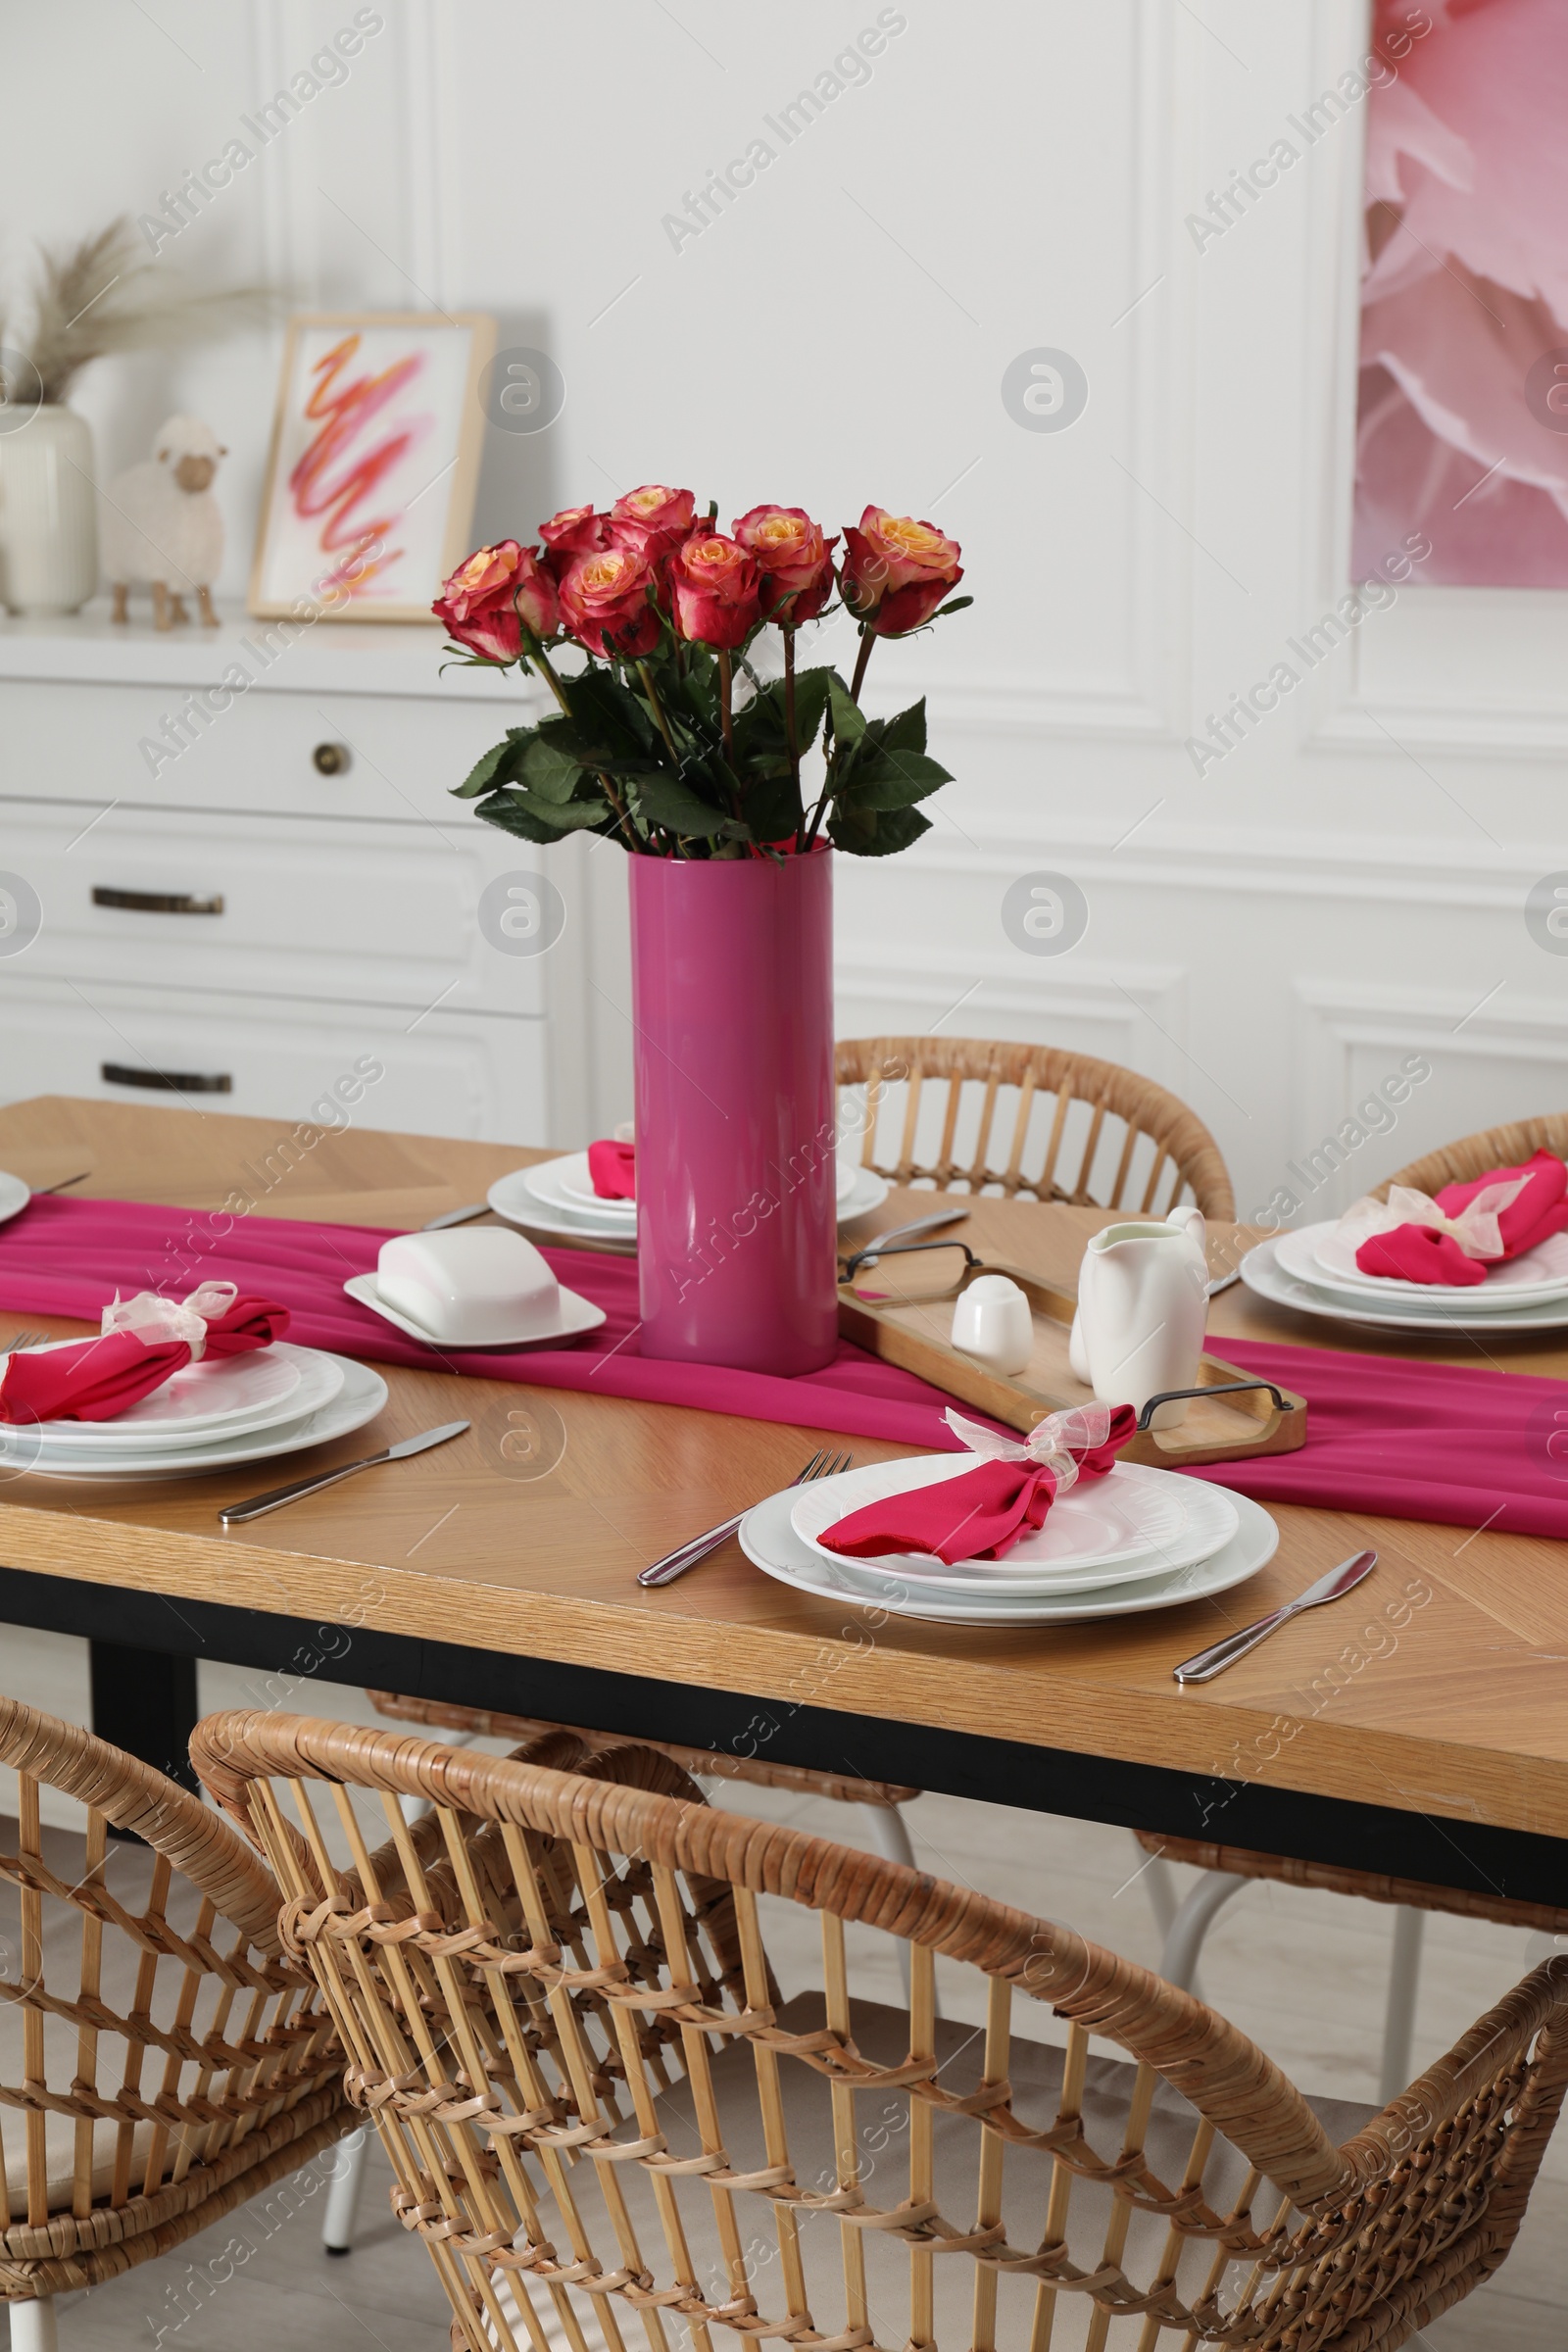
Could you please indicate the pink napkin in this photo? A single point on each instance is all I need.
(244, 1325)
(613, 1169)
(92, 1381)
(982, 1514)
(1427, 1253)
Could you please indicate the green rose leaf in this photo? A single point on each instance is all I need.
(848, 719)
(531, 819)
(893, 779)
(875, 833)
(484, 775)
(546, 771)
(663, 801)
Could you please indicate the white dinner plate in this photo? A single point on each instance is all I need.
(1263, 1272)
(770, 1541)
(233, 1396)
(14, 1195)
(1136, 1520)
(1321, 1254)
(570, 1316)
(358, 1400)
(513, 1197)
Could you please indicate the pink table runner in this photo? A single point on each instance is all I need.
(69, 1257)
(1411, 1441)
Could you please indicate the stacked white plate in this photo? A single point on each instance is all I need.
(1314, 1270)
(237, 1408)
(1138, 1538)
(558, 1196)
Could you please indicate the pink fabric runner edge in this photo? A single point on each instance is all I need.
(69, 1257)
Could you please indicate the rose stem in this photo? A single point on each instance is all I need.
(789, 724)
(867, 640)
(652, 691)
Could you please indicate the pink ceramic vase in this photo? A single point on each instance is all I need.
(732, 995)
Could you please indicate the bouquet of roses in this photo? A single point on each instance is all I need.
(668, 736)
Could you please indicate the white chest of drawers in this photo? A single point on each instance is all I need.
(236, 924)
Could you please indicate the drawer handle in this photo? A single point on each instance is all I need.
(331, 759)
(178, 1082)
(157, 901)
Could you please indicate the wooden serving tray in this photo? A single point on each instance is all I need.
(1218, 1428)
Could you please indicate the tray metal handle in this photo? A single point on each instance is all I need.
(1222, 1387)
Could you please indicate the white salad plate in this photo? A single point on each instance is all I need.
(359, 1396)
(234, 1395)
(1321, 1254)
(572, 1317)
(1263, 1272)
(14, 1195)
(768, 1539)
(1137, 1521)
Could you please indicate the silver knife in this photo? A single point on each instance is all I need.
(259, 1505)
(1341, 1580)
(455, 1216)
(903, 1232)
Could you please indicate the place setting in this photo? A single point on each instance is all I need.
(175, 1388)
(1489, 1254)
(592, 1194)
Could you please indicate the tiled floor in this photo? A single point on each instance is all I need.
(1303, 1974)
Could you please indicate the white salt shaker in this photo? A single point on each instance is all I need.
(991, 1322)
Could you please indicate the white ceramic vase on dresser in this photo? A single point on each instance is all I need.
(48, 510)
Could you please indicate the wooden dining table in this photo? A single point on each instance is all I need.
(1418, 1727)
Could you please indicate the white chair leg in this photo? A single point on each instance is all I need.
(1159, 1884)
(343, 2197)
(1178, 1962)
(1404, 1978)
(892, 1834)
(32, 2325)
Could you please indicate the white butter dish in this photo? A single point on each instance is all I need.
(475, 1287)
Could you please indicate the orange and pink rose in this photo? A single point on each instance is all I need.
(716, 589)
(794, 558)
(606, 602)
(896, 571)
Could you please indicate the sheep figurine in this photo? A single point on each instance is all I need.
(163, 527)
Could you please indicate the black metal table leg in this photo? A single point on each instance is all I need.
(144, 1700)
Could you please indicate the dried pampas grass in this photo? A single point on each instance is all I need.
(106, 295)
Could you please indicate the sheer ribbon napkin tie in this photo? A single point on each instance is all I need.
(1455, 1236)
(144, 1342)
(981, 1514)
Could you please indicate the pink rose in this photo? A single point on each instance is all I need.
(716, 589)
(606, 593)
(896, 571)
(534, 597)
(476, 603)
(575, 531)
(653, 518)
(795, 560)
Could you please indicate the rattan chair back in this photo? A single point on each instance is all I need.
(1025, 1122)
(602, 2115)
(160, 2060)
(1474, 1155)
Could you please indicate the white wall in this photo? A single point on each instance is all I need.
(1268, 939)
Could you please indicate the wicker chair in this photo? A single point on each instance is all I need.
(1473, 1154)
(598, 2105)
(163, 2060)
(1067, 1153)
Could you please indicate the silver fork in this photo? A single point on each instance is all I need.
(823, 1464)
(22, 1339)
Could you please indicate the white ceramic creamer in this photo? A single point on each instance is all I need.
(1143, 1308)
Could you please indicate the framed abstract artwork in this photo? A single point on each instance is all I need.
(1462, 410)
(375, 458)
